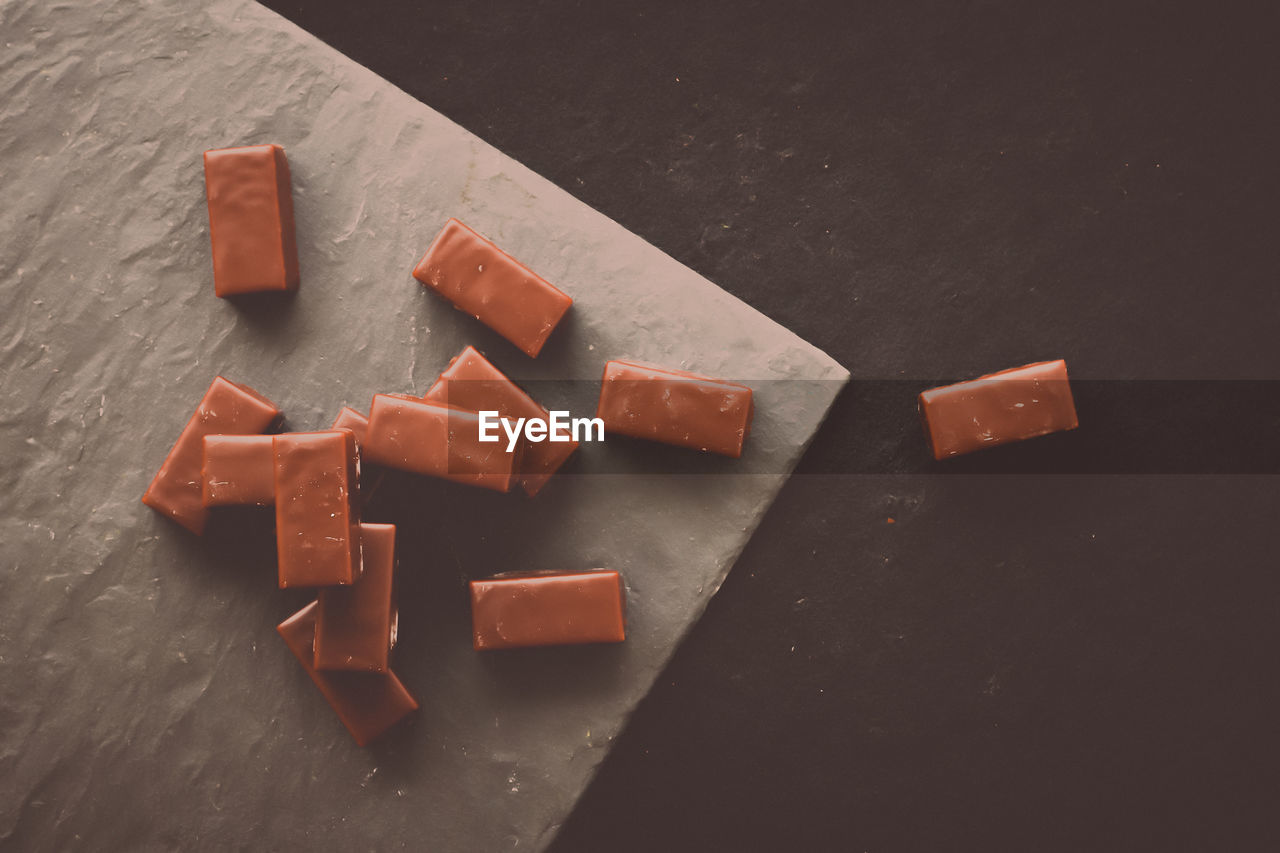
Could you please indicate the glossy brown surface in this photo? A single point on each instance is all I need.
(227, 408)
(548, 610)
(472, 382)
(490, 285)
(370, 479)
(430, 438)
(368, 703)
(251, 225)
(355, 624)
(238, 469)
(317, 508)
(675, 407)
(1012, 405)
(349, 418)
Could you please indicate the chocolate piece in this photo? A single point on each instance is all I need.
(238, 469)
(317, 508)
(355, 625)
(437, 440)
(547, 610)
(1011, 405)
(675, 407)
(368, 703)
(227, 408)
(370, 480)
(472, 382)
(490, 285)
(250, 220)
(349, 418)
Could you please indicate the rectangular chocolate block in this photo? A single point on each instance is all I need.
(349, 418)
(472, 382)
(355, 625)
(675, 407)
(237, 470)
(548, 610)
(250, 220)
(226, 409)
(368, 703)
(490, 285)
(1012, 405)
(430, 438)
(317, 489)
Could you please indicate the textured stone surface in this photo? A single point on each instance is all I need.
(145, 701)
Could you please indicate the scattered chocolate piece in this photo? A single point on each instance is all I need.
(317, 508)
(370, 480)
(548, 610)
(226, 409)
(472, 382)
(1011, 405)
(426, 437)
(368, 703)
(355, 625)
(675, 407)
(250, 220)
(490, 285)
(349, 418)
(238, 469)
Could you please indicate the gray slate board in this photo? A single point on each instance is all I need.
(145, 700)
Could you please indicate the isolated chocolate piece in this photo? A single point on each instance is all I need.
(237, 470)
(1011, 405)
(226, 409)
(355, 625)
(250, 220)
(368, 703)
(472, 382)
(437, 440)
(490, 285)
(675, 407)
(317, 508)
(548, 609)
(349, 418)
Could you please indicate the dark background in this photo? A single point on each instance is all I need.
(930, 191)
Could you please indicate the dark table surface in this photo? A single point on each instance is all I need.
(1066, 644)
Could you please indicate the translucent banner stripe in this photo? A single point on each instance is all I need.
(1126, 427)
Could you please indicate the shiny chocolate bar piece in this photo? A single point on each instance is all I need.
(1012, 405)
(226, 409)
(675, 407)
(548, 609)
(317, 485)
(368, 703)
(437, 440)
(349, 418)
(238, 470)
(490, 285)
(472, 382)
(251, 220)
(356, 625)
